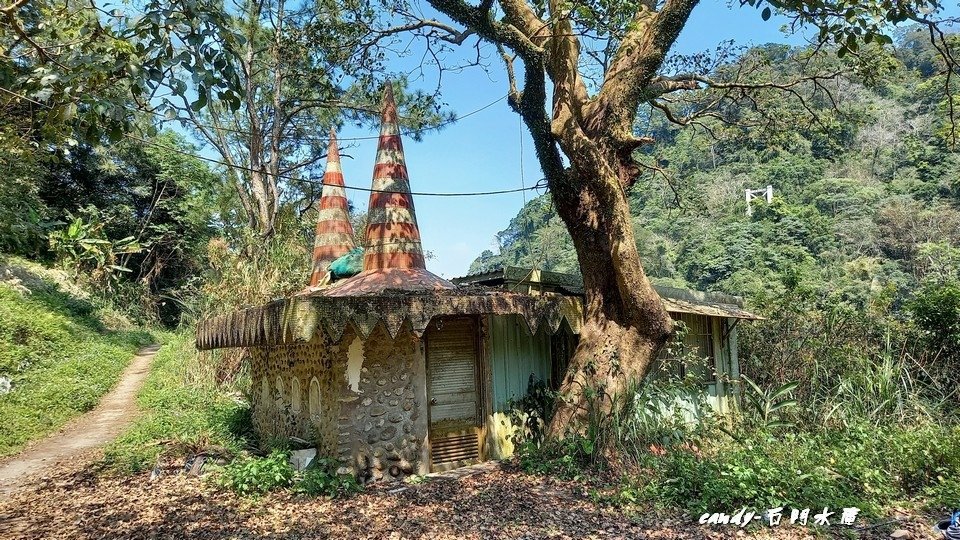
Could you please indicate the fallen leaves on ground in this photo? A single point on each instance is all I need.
(494, 503)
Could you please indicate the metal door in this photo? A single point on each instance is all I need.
(453, 391)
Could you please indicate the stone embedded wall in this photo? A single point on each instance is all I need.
(383, 425)
(314, 366)
(370, 410)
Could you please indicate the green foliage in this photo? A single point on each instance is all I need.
(536, 238)
(82, 247)
(131, 221)
(151, 195)
(59, 351)
(864, 466)
(321, 478)
(936, 312)
(766, 405)
(257, 475)
(22, 212)
(572, 458)
(261, 271)
(664, 411)
(533, 411)
(862, 220)
(868, 467)
(667, 455)
(185, 411)
(113, 58)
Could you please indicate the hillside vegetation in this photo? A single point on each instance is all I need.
(857, 259)
(855, 264)
(59, 351)
(866, 190)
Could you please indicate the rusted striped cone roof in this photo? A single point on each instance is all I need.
(392, 236)
(393, 258)
(334, 235)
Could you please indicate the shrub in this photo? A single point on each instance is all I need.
(532, 412)
(571, 458)
(936, 312)
(866, 466)
(322, 478)
(665, 411)
(257, 475)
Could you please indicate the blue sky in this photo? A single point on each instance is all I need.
(483, 152)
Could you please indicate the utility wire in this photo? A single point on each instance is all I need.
(411, 133)
(321, 183)
(290, 178)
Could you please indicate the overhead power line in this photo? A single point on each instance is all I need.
(296, 179)
(321, 183)
(409, 133)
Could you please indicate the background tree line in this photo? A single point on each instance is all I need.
(97, 179)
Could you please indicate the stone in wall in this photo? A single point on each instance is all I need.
(382, 428)
(368, 413)
(315, 365)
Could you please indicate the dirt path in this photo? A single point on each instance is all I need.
(93, 429)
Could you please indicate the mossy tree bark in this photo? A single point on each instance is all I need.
(626, 324)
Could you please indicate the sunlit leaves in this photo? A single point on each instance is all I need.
(848, 24)
(92, 67)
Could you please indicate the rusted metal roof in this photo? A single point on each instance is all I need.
(373, 282)
(511, 275)
(683, 301)
(674, 300)
(399, 297)
(297, 318)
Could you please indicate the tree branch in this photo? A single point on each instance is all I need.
(451, 35)
(635, 63)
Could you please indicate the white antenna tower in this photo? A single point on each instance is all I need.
(751, 194)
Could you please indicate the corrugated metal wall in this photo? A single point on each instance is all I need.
(514, 355)
(714, 340)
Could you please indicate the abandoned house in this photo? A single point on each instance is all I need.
(396, 371)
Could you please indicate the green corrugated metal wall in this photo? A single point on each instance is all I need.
(514, 355)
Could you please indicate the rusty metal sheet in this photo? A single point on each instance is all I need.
(733, 311)
(383, 280)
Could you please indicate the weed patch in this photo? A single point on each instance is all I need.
(57, 356)
(257, 475)
(185, 411)
(321, 478)
(867, 467)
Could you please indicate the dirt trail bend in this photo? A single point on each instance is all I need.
(95, 428)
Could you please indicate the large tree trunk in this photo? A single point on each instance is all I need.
(625, 323)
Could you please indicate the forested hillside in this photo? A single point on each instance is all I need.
(856, 262)
(866, 191)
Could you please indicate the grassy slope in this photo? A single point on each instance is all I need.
(185, 411)
(60, 352)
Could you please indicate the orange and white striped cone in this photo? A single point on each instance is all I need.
(334, 234)
(392, 235)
